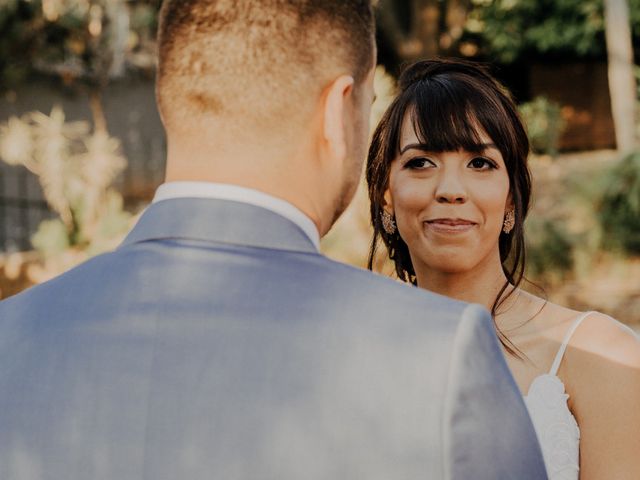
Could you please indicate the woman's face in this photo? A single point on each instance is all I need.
(449, 206)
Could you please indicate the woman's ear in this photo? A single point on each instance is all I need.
(335, 111)
(509, 205)
(387, 205)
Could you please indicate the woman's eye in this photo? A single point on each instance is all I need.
(481, 163)
(419, 163)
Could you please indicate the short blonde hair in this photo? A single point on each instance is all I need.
(262, 61)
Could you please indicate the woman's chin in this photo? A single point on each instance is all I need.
(451, 268)
(451, 261)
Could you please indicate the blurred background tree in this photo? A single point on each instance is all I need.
(510, 29)
(83, 43)
(513, 29)
(415, 29)
(622, 82)
(501, 30)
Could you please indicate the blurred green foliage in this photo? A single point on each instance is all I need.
(73, 39)
(511, 29)
(598, 216)
(545, 124)
(618, 206)
(51, 238)
(549, 248)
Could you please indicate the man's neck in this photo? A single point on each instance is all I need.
(274, 177)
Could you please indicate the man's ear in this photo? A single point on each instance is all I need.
(335, 108)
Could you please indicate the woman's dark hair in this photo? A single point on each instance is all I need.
(451, 102)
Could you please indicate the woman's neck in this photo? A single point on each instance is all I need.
(481, 284)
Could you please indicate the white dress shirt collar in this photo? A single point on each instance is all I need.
(235, 193)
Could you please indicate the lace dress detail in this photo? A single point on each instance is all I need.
(555, 425)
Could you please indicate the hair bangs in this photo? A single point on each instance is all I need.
(444, 119)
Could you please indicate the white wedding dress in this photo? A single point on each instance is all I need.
(555, 425)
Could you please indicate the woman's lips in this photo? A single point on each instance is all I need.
(450, 225)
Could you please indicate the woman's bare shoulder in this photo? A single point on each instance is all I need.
(602, 372)
(597, 335)
(607, 342)
(601, 348)
(602, 366)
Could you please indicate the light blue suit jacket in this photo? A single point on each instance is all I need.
(216, 343)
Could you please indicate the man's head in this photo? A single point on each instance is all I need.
(261, 73)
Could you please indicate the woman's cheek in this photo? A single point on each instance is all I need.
(410, 195)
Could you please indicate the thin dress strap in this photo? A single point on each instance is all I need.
(576, 323)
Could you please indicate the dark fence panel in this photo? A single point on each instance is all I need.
(22, 208)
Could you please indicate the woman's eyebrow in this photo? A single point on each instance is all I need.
(414, 146)
(485, 146)
(424, 147)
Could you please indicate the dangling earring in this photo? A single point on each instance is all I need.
(509, 221)
(388, 223)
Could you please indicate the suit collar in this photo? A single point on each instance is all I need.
(219, 221)
(237, 193)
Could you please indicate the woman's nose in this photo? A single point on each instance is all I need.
(451, 189)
